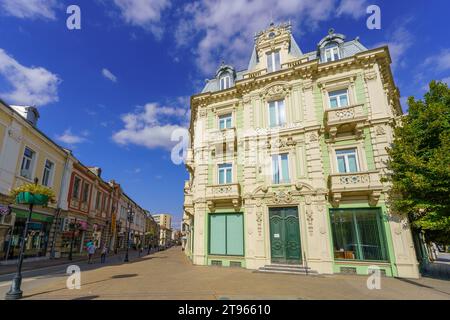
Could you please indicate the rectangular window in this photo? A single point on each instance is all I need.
(27, 163)
(225, 121)
(48, 173)
(225, 82)
(338, 99)
(280, 168)
(331, 54)
(347, 160)
(76, 188)
(226, 234)
(86, 188)
(277, 113)
(358, 234)
(273, 61)
(98, 200)
(225, 173)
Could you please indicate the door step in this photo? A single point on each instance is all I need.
(288, 269)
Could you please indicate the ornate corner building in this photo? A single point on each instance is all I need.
(286, 161)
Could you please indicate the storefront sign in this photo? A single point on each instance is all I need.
(35, 216)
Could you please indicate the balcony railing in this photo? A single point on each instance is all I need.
(351, 115)
(223, 193)
(255, 74)
(367, 183)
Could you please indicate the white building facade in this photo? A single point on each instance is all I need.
(287, 158)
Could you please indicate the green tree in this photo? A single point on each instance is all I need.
(420, 164)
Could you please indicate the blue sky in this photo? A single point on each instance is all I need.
(114, 91)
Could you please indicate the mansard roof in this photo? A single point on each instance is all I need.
(347, 49)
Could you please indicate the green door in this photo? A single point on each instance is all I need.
(285, 235)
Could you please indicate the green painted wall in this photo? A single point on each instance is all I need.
(369, 149)
(390, 270)
(240, 117)
(360, 92)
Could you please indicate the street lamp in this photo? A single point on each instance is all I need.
(129, 220)
(15, 292)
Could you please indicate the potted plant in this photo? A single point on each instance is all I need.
(35, 194)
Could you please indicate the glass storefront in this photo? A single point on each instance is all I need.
(358, 234)
(37, 239)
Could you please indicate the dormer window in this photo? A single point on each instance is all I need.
(273, 61)
(225, 82)
(331, 52)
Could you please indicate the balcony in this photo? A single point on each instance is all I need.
(358, 183)
(224, 194)
(345, 119)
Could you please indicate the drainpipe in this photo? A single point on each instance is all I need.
(58, 206)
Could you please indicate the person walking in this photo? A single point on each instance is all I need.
(91, 251)
(104, 253)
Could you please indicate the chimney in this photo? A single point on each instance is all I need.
(31, 114)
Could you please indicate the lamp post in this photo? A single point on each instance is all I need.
(129, 220)
(15, 292)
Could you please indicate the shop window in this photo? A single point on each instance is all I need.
(358, 234)
(226, 236)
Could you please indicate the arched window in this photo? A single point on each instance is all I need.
(331, 52)
(225, 81)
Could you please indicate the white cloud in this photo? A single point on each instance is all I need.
(225, 28)
(30, 85)
(109, 75)
(441, 61)
(354, 8)
(399, 42)
(151, 126)
(446, 80)
(143, 13)
(33, 9)
(71, 139)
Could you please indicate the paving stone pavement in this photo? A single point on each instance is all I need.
(170, 275)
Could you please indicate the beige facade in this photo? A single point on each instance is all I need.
(298, 140)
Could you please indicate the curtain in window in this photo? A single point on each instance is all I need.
(358, 234)
(272, 114)
(285, 168)
(226, 234)
(269, 62)
(235, 235)
(281, 113)
(275, 169)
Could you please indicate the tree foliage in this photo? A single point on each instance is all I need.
(420, 163)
